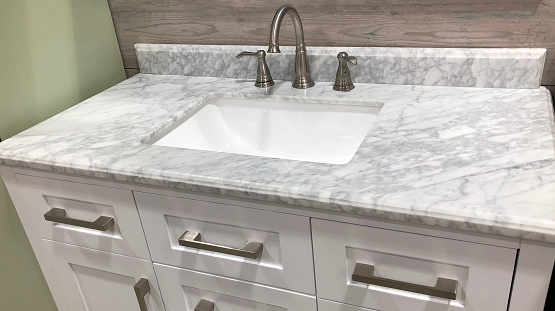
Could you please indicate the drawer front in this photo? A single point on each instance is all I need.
(82, 206)
(185, 289)
(285, 260)
(406, 268)
(96, 280)
(326, 305)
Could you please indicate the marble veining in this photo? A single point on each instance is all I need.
(464, 158)
(484, 68)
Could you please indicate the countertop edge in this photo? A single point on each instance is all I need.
(378, 211)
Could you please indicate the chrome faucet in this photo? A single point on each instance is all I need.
(302, 69)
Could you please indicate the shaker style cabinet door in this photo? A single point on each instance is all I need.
(98, 281)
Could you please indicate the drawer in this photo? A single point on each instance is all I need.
(285, 260)
(185, 289)
(85, 204)
(326, 305)
(403, 271)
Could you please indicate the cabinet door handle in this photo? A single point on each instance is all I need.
(204, 305)
(102, 223)
(193, 239)
(444, 288)
(141, 289)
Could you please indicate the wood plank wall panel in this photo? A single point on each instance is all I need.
(129, 72)
(551, 88)
(393, 23)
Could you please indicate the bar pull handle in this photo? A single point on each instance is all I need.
(141, 289)
(444, 288)
(193, 239)
(204, 305)
(59, 215)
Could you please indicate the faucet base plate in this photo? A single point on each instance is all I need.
(303, 83)
(343, 87)
(264, 84)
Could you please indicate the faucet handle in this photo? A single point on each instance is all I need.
(344, 56)
(244, 53)
(263, 76)
(343, 80)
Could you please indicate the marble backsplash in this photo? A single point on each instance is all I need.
(464, 67)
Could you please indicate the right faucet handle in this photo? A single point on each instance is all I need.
(263, 76)
(343, 80)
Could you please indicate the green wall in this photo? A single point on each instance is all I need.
(53, 54)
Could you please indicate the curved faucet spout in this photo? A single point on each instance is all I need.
(276, 26)
(302, 69)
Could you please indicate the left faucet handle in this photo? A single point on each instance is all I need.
(263, 76)
(245, 53)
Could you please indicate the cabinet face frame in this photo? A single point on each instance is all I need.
(536, 266)
(532, 276)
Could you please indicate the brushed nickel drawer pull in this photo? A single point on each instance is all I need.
(445, 288)
(102, 223)
(204, 305)
(193, 239)
(141, 289)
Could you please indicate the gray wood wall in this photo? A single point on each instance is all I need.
(551, 88)
(394, 23)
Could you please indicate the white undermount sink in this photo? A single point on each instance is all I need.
(318, 131)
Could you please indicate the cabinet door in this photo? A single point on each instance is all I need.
(187, 290)
(98, 281)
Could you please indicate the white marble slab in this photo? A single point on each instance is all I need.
(485, 68)
(464, 158)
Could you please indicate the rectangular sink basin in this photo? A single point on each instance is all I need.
(318, 131)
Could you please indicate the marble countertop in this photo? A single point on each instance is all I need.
(474, 159)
